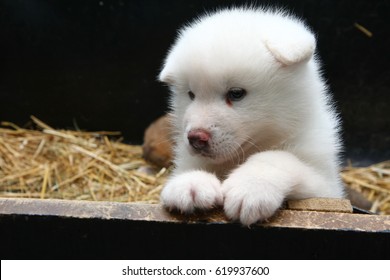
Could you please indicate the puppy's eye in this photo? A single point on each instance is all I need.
(191, 95)
(235, 94)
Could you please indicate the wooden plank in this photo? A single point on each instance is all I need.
(321, 204)
(155, 212)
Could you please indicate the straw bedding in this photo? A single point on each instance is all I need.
(47, 163)
(64, 164)
(373, 182)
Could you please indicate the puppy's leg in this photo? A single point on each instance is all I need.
(192, 190)
(256, 189)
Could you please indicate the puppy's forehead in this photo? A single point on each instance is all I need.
(237, 45)
(215, 65)
(219, 50)
(202, 80)
(222, 45)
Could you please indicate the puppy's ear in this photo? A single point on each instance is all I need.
(291, 44)
(166, 76)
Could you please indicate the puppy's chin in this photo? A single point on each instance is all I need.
(209, 156)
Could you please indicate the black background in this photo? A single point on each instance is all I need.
(94, 63)
(49, 237)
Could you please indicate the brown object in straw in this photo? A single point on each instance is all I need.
(158, 139)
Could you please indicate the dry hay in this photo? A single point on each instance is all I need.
(63, 164)
(66, 164)
(373, 182)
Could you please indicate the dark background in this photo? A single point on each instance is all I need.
(46, 238)
(93, 64)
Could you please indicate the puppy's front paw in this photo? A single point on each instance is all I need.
(249, 198)
(192, 190)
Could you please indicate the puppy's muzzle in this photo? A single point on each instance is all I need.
(199, 139)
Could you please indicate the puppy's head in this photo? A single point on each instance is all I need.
(235, 77)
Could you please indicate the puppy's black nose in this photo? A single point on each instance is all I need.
(199, 139)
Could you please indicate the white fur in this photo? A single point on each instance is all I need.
(279, 142)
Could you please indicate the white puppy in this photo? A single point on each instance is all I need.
(253, 121)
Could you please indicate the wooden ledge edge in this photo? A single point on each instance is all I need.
(321, 204)
(155, 212)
